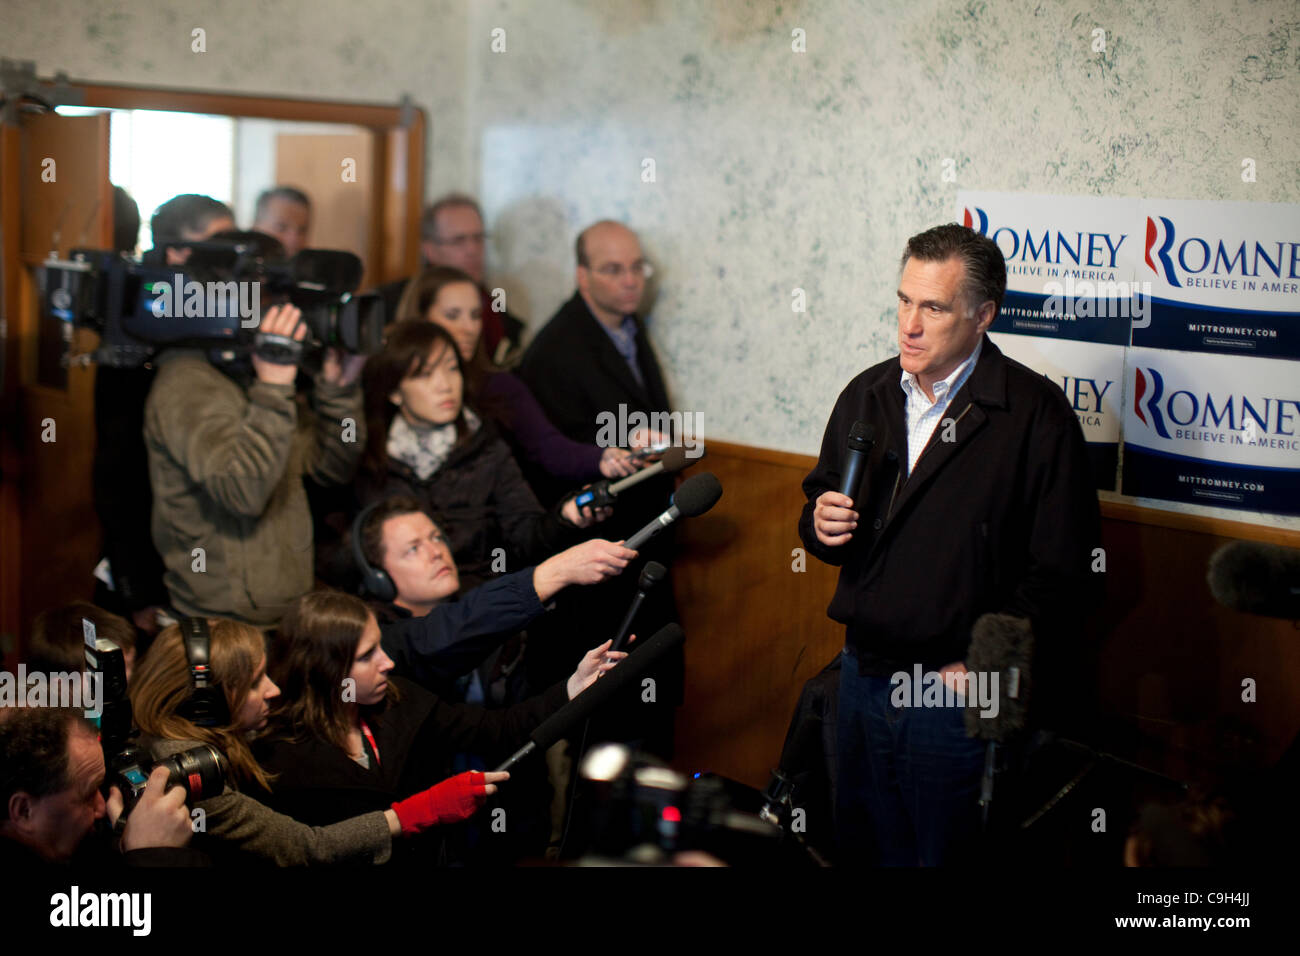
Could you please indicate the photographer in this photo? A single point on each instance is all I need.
(227, 457)
(51, 771)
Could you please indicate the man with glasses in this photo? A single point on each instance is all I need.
(592, 360)
(452, 234)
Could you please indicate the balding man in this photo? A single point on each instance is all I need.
(593, 357)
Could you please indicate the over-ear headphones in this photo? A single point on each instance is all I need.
(374, 580)
(206, 706)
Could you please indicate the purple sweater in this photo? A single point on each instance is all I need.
(542, 443)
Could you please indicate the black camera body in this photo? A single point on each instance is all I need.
(201, 770)
(214, 301)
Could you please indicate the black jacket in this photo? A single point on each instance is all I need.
(317, 783)
(482, 503)
(1004, 518)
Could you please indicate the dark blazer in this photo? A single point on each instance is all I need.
(575, 372)
(1002, 519)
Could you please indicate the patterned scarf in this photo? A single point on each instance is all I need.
(424, 449)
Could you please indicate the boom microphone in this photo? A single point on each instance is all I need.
(1001, 644)
(628, 672)
(697, 495)
(1257, 578)
(861, 437)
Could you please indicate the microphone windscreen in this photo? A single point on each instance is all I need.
(1257, 578)
(999, 644)
(651, 575)
(698, 494)
(627, 673)
(861, 435)
(674, 459)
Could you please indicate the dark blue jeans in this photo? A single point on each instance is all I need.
(909, 778)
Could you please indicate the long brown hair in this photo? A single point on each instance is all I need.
(161, 683)
(410, 347)
(320, 634)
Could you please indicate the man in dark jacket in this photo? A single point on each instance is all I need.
(976, 499)
(591, 363)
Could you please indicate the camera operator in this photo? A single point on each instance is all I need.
(51, 771)
(227, 456)
(122, 498)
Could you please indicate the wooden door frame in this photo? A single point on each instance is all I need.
(404, 160)
(400, 138)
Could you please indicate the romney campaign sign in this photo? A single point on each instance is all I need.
(1225, 277)
(1212, 430)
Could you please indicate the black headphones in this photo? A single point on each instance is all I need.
(374, 580)
(206, 706)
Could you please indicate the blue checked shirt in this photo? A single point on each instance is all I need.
(922, 415)
(624, 338)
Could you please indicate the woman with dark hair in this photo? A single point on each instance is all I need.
(449, 298)
(352, 738)
(235, 825)
(423, 441)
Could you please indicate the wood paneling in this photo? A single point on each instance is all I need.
(756, 628)
(1171, 661)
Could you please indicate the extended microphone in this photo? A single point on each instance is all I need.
(651, 574)
(627, 673)
(603, 492)
(861, 437)
(1257, 578)
(697, 495)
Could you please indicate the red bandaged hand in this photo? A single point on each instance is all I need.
(451, 801)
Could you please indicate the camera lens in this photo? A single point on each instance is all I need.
(200, 770)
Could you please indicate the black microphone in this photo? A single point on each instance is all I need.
(603, 492)
(1257, 578)
(861, 437)
(651, 574)
(697, 495)
(628, 672)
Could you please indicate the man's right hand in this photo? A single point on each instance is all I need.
(159, 818)
(587, 563)
(834, 518)
(279, 320)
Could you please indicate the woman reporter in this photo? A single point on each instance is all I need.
(424, 441)
(235, 826)
(352, 737)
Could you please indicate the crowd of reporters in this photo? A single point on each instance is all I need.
(325, 576)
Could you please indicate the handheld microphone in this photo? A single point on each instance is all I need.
(627, 673)
(697, 495)
(603, 492)
(861, 437)
(651, 574)
(1257, 578)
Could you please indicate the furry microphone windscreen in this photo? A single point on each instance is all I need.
(1001, 644)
